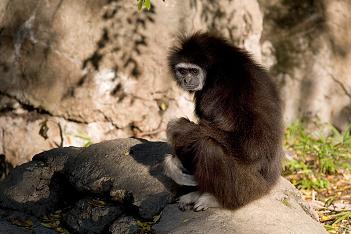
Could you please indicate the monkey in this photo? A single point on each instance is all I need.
(232, 155)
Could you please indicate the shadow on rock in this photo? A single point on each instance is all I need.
(97, 186)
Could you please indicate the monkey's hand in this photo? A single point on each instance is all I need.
(179, 128)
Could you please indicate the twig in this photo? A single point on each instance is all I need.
(333, 207)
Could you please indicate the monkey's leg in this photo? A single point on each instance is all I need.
(173, 168)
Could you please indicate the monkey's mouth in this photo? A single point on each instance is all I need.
(191, 87)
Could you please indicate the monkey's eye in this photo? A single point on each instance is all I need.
(182, 71)
(194, 71)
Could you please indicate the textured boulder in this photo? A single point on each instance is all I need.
(129, 170)
(38, 187)
(93, 185)
(89, 216)
(122, 167)
(124, 225)
(118, 186)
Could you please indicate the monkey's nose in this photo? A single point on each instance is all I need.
(187, 79)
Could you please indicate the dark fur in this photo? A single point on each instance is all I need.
(235, 150)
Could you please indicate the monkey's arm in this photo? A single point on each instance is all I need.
(183, 134)
(179, 128)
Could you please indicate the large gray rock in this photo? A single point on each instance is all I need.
(122, 167)
(281, 211)
(38, 187)
(126, 175)
(111, 185)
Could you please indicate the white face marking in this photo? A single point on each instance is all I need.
(187, 65)
(200, 76)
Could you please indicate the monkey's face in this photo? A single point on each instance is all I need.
(190, 77)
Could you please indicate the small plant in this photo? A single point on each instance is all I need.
(86, 139)
(319, 167)
(144, 4)
(317, 153)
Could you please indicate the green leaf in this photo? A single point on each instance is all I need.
(147, 4)
(140, 4)
(342, 216)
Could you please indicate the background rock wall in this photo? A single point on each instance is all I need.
(77, 72)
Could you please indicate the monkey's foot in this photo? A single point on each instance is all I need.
(187, 201)
(206, 201)
(197, 201)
